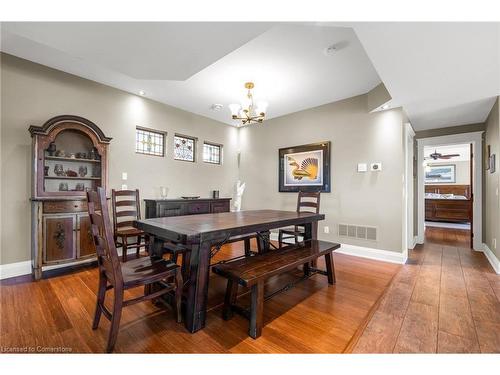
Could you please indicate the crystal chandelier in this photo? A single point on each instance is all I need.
(247, 111)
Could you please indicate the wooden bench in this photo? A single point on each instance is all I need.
(252, 272)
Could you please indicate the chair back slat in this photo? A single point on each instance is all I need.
(126, 205)
(102, 234)
(308, 202)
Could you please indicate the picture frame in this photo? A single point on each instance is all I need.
(441, 174)
(492, 163)
(305, 168)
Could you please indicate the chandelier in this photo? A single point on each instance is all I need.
(247, 111)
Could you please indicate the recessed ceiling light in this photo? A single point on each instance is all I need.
(141, 93)
(385, 106)
(330, 50)
(216, 107)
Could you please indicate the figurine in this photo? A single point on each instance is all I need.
(52, 149)
(59, 170)
(239, 189)
(82, 171)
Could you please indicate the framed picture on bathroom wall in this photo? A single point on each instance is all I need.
(440, 173)
(305, 168)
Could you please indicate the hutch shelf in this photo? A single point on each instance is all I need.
(70, 156)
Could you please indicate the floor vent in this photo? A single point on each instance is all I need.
(358, 231)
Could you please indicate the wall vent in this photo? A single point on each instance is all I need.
(360, 232)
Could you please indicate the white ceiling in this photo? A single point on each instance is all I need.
(462, 149)
(286, 61)
(443, 74)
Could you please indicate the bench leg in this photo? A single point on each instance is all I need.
(256, 310)
(229, 299)
(307, 269)
(330, 269)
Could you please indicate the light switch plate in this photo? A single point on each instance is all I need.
(376, 167)
(362, 167)
(124, 176)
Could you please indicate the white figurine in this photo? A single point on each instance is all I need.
(240, 188)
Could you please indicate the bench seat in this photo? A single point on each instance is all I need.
(254, 271)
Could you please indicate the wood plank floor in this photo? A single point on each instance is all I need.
(313, 317)
(446, 299)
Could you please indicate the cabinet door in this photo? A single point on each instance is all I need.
(85, 242)
(59, 238)
(220, 207)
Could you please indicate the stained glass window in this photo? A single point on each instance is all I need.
(212, 153)
(149, 142)
(184, 148)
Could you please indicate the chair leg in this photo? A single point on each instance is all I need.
(115, 320)
(247, 247)
(229, 299)
(186, 263)
(179, 285)
(124, 248)
(146, 243)
(138, 249)
(330, 269)
(101, 295)
(257, 310)
(280, 239)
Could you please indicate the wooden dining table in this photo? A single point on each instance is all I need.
(202, 233)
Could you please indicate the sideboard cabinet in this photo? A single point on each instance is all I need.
(180, 207)
(69, 158)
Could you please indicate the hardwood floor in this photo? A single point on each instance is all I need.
(446, 299)
(313, 317)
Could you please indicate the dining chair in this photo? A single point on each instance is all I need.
(127, 208)
(156, 275)
(306, 202)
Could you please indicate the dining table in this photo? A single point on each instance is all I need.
(201, 234)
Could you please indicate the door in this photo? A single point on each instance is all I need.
(84, 237)
(59, 238)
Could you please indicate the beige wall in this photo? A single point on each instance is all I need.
(371, 198)
(492, 180)
(31, 94)
(462, 169)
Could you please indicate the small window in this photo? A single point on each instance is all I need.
(149, 142)
(212, 153)
(184, 147)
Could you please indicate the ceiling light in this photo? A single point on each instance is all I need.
(247, 111)
(330, 50)
(141, 93)
(216, 107)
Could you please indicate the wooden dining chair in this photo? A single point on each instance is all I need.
(127, 208)
(306, 202)
(113, 274)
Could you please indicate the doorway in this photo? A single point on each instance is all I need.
(449, 190)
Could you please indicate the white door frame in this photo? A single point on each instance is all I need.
(477, 181)
(408, 198)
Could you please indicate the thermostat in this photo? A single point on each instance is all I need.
(375, 167)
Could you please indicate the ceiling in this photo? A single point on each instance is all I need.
(462, 149)
(285, 61)
(443, 74)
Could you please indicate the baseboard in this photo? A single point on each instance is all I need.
(24, 268)
(495, 263)
(363, 252)
(15, 269)
(371, 253)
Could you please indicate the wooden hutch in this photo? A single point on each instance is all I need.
(70, 156)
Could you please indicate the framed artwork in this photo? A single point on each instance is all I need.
(305, 168)
(445, 174)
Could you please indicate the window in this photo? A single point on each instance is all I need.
(184, 147)
(149, 142)
(212, 153)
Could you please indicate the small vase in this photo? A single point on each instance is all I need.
(52, 149)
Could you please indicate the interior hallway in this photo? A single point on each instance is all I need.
(446, 299)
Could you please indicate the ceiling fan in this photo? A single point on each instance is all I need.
(436, 155)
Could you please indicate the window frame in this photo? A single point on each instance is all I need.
(195, 146)
(156, 131)
(219, 145)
